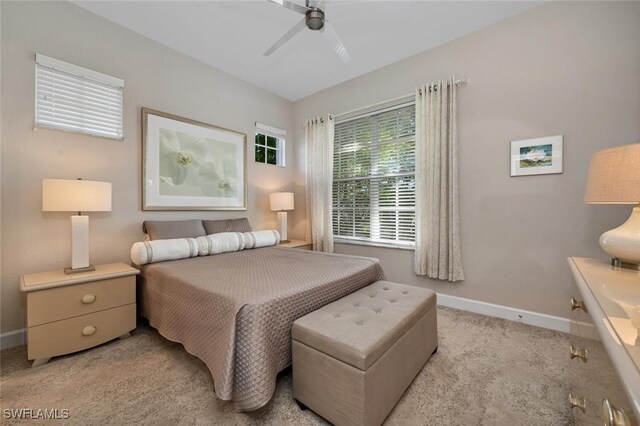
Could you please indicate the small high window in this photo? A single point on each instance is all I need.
(76, 99)
(269, 145)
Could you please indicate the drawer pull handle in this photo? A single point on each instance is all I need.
(578, 401)
(89, 330)
(578, 304)
(611, 416)
(88, 298)
(578, 353)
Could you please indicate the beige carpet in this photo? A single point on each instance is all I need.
(487, 372)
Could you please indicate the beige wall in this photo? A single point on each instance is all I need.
(570, 68)
(563, 68)
(155, 77)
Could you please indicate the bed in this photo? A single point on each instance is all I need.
(234, 311)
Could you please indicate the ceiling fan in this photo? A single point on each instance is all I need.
(314, 19)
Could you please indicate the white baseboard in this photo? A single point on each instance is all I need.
(519, 315)
(17, 337)
(12, 338)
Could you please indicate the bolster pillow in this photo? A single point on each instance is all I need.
(222, 242)
(160, 250)
(258, 239)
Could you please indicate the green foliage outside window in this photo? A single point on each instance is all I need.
(268, 150)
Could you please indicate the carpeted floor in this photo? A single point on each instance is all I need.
(487, 371)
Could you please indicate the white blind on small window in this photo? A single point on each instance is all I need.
(374, 177)
(270, 131)
(76, 99)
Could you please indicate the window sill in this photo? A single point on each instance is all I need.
(272, 165)
(338, 240)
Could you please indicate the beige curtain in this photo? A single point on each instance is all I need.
(319, 142)
(437, 252)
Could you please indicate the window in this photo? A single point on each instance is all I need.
(374, 178)
(77, 99)
(269, 145)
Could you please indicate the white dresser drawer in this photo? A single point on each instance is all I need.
(82, 332)
(54, 304)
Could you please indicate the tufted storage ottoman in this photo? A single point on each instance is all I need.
(354, 358)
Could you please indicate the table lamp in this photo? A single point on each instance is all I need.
(281, 202)
(63, 195)
(614, 178)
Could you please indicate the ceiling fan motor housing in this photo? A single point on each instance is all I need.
(315, 19)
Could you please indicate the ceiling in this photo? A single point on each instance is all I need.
(233, 35)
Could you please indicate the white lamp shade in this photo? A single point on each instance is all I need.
(281, 201)
(65, 195)
(614, 176)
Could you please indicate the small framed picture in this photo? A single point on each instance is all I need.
(539, 156)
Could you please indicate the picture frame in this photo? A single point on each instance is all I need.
(190, 165)
(538, 156)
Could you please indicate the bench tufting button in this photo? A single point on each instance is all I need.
(377, 311)
(372, 296)
(356, 305)
(359, 323)
(405, 292)
(385, 288)
(336, 316)
(392, 300)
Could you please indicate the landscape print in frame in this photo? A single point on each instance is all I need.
(189, 165)
(538, 156)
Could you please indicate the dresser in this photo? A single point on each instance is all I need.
(71, 312)
(604, 375)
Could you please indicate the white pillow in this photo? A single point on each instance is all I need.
(256, 239)
(160, 250)
(222, 242)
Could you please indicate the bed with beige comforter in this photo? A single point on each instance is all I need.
(234, 311)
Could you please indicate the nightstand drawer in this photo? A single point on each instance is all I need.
(78, 333)
(301, 244)
(60, 303)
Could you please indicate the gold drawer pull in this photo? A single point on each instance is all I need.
(578, 401)
(611, 416)
(89, 330)
(88, 298)
(578, 353)
(578, 304)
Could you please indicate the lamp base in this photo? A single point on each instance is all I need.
(622, 264)
(623, 242)
(282, 225)
(71, 270)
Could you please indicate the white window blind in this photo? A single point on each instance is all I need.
(76, 99)
(374, 178)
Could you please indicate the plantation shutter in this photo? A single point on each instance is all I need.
(374, 178)
(76, 99)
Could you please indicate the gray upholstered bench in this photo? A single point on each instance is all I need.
(354, 358)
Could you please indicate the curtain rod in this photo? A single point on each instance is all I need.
(399, 98)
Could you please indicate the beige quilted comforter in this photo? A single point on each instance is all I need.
(234, 311)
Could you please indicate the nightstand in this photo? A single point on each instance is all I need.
(69, 313)
(305, 245)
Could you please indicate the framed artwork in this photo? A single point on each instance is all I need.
(189, 165)
(539, 156)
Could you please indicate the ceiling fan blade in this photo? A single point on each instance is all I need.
(319, 4)
(291, 5)
(301, 25)
(330, 34)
